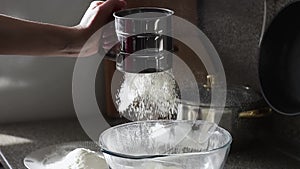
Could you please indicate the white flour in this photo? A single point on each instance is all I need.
(147, 96)
(80, 158)
(150, 165)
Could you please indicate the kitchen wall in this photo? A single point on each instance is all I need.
(234, 27)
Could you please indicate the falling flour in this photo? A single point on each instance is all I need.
(147, 96)
(80, 158)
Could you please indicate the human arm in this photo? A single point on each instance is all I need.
(23, 37)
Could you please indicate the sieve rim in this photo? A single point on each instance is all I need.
(123, 14)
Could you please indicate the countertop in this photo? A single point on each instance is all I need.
(19, 139)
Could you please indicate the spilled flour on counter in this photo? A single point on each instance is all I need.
(80, 158)
(147, 96)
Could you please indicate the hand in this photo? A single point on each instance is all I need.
(100, 13)
(97, 15)
(108, 37)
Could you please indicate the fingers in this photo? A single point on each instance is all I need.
(114, 5)
(123, 4)
(100, 2)
(109, 39)
(96, 3)
(110, 3)
(109, 31)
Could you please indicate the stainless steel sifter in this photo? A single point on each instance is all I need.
(145, 39)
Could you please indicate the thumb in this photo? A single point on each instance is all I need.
(113, 5)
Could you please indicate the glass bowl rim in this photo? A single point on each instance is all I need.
(122, 155)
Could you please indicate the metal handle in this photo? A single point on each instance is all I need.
(257, 113)
(113, 52)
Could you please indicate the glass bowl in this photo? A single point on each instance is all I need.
(165, 144)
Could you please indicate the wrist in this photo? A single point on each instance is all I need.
(77, 37)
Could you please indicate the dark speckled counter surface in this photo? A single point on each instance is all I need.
(34, 135)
